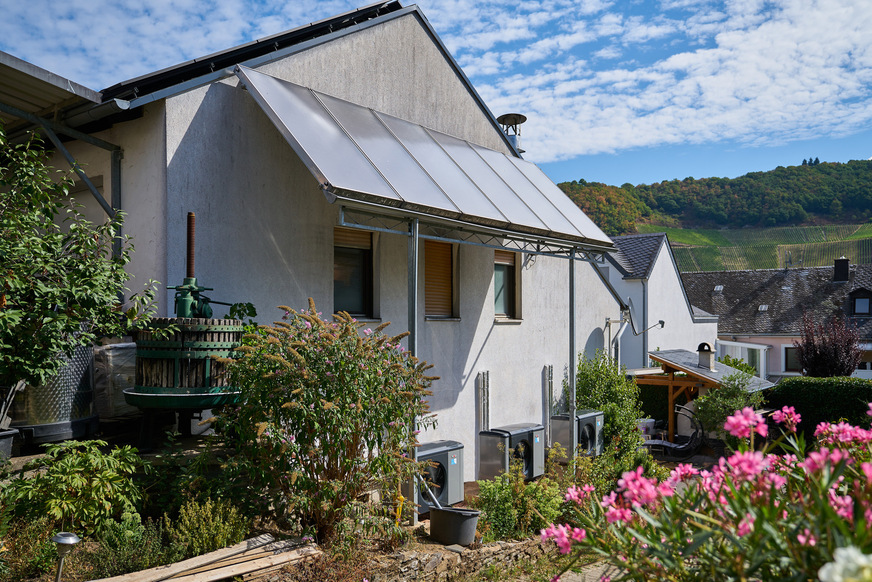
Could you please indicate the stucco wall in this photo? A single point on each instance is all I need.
(659, 297)
(143, 195)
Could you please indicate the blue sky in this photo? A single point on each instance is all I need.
(615, 91)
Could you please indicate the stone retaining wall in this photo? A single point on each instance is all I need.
(449, 564)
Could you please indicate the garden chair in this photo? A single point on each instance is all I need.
(684, 445)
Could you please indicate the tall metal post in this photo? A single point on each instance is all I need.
(413, 287)
(116, 196)
(413, 329)
(573, 355)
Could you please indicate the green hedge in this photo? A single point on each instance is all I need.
(824, 400)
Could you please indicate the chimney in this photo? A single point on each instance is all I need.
(706, 356)
(511, 124)
(841, 271)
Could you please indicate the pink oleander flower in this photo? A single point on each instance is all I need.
(806, 538)
(639, 490)
(843, 505)
(682, 472)
(622, 514)
(744, 421)
(746, 465)
(869, 412)
(820, 460)
(563, 535)
(866, 469)
(578, 494)
(775, 480)
(746, 525)
(787, 416)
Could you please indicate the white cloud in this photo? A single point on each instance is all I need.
(591, 75)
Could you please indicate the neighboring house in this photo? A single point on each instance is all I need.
(761, 311)
(645, 275)
(350, 161)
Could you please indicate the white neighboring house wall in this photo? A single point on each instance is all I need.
(659, 296)
(754, 354)
(265, 230)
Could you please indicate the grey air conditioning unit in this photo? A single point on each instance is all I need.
(499, 446)
(589, 434)
(443, 474)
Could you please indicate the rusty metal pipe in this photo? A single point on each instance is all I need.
(191, 236)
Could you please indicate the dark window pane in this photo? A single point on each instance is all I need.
(504, 290)
(791, 361)
(861, 305)
(352, 281)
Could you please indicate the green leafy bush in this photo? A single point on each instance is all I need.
(77, 485)
(204, 527)
(512, 508)
(713, 409)
(328, 412)
(60, 279)
(739, 364)
(823, 399)
(603, 385)
(129, 546)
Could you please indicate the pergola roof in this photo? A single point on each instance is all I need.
(688, 362)
(685, 362)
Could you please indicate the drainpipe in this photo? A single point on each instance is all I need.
(616, 341)
(644, 323)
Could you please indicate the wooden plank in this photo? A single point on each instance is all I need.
(253, 566)
(262, 552)
(160, 573)
(251, 576)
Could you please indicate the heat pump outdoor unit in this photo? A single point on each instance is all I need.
(444, 475)
(590, 431)
(499, 446)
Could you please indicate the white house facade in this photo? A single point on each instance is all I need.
(511, 290)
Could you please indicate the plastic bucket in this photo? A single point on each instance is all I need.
(6, 438)
(451, 525)
(646, 425)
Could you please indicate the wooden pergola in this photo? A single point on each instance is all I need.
(682, 374)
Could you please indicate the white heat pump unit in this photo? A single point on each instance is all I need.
(499, 446)
(590, 431)
(444, 473)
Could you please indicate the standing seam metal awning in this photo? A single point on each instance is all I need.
(356, 153)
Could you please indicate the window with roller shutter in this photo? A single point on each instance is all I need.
(438, 279)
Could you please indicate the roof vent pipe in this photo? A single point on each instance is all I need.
(841, 270)
(706, 356)
(511, 124)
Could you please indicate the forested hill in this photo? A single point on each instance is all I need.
(787, 196)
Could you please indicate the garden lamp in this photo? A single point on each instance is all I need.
(65, 541)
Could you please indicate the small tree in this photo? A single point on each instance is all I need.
(828, 349)
(719, 403)
(59, 283)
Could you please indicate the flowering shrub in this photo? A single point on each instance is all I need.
(755, 515)
(328, 412)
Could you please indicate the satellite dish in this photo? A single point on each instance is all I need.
(634, 318)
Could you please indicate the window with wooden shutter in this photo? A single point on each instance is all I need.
(438, 279)
(352, 272)
(505, 284)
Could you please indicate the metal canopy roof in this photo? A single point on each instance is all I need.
(358, 154)
(36, 91)
(688, 362)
